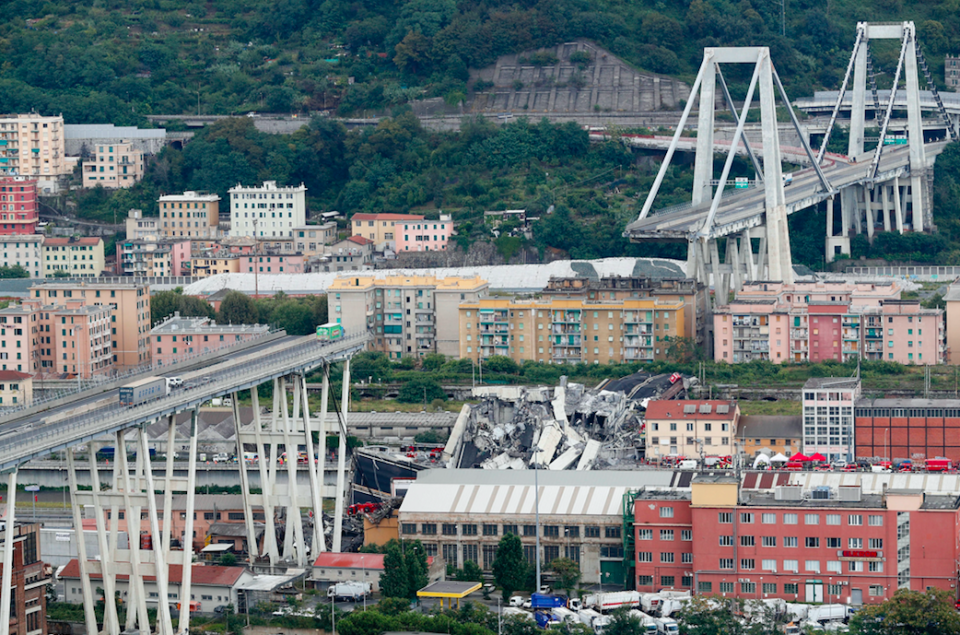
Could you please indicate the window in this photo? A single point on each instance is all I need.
(489, 530)
(876, 520)
(769, 587)
(666, 512)
(833, 519)
(876, 590)
(748, 587)
(855, 567)
(666, 557)
(644, 534)
(551, 531)
(748, 564)
(855, 520)
(746, 518)
(768, 519)
(725, 518)
(812, 566)
(644, 580)
(726, 541)
(834, 566)
(510, 529)
(409, 528)
(747, 541)
(590, 531)
(469, 530)
(811, 519)
(769, 541)
(791, 565)
(768, 565)
(833, 543)
(876, 543)
(856, 543)
(812, 542)
(666, 534)
(875, 567)
(686, 534)
(449, 529)
(705, 587)
(571, 531)
(790, 519)
(530, 530)
(686, 558)
(428, 529)
(726, 563)
(791, 587)
(834, 589)
(613, 532)
(666, 581)
(644, 556)
(726, 587)
(789, 541)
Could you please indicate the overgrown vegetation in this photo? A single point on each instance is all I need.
(297, 316)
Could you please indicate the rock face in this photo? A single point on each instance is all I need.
(548, 81)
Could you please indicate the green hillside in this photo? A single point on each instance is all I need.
(118, 60)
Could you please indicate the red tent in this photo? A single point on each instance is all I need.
(799, 456)
(819, 458)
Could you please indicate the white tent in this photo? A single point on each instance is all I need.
(761, 459)
(779, 458)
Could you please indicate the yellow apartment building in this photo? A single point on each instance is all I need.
(562, 330)
(206, 267)
(76, 257)
(189, 215)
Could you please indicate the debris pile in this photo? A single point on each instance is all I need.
(569, 427)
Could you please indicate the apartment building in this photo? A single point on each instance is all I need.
(828, 424)
(129, 318)
(189, 215)
(461, 515)
(407, 315)
(28, 581)
(152, 257)
(776, 539)
(32, 145)
(16, 389)
(310, 240)
(693, 294)
(139, 226)
(423, 235)
(211, 265)
(350, 254)
(691, 428)
(18, 205)
(951, 72)
(74, 257)
(381, 229)
(113, 166)
(271, 263)
(827, 321)
(69, 338)
(559, 330)
(770, 434)
(267, 211)
(24, 250)
(176, 338)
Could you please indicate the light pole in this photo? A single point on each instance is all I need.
(499, 617)
(536, 492)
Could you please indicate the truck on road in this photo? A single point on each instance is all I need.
(612, 601)
(545, 601)
(666, 626)
(348, 591)
(830, 613)
(143, 390)
(648, 625)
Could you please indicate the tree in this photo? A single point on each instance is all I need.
(228, 560)
(929, 612)
(471, 572)
(501, 364)
(568, 573)
(509, 567)
(395, 579)
(704, 616)
(293, 317)
(16, 271)
(622, 623)
(421, 389)
(166, 303)
(417, 568)
(237, 308)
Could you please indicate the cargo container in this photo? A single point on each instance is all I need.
(143, 390)
(329, 332)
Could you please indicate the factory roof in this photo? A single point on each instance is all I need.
(719, 410)
(562, 492)
(349, 560)
(770, 426)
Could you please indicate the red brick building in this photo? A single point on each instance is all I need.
(917, 429)
(28, 582)
(18, 205)
(832, 545)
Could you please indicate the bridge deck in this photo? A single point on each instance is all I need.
(38, 435)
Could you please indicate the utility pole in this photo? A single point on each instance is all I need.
(536, 498)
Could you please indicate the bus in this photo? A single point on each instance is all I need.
(329, 332)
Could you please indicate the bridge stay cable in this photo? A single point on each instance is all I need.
(875, 166)
(796, 126)
(736, 118)
(861, 32)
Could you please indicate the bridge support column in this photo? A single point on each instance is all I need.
(160, 552)
(266, 485)
(107, 545)
(341, 458)
(252, 552)
(186, 580)
(8, 538)
(139, 617)
(898, 204)
(321, 546)
(868, 196)
(294, 517)
(885, 202)
(90, 617)
(316, 481)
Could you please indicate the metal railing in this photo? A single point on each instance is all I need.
(17, 447)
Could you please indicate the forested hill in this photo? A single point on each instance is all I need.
(116, 60)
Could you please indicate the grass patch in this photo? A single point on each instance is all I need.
(782, 407)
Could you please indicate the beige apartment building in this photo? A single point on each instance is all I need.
(113, 166)
(380, 228)
(142, 227)
(129, 319)
(310, 240)
(407, 315)
(691, 428)
(210, 266)
(78, 257)
(16, 389)
(559, 330)
(31, 145)
(189, 215)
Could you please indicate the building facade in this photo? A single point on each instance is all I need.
(28, 582)
(350, 254)
(16, 389)
(32, 145)
(822, 544)
(271, 263)
(827, 321)
(423, 235)
(129, 319)
(74, 257)
(560, 330)
(691, 428)
(18, 205)
(153, 257)
(141, 227)
(189, 215)
(113, 166)
(310, 240)
(770, 434)
(915, 429)
(381, 229)
(267, 211)
(406, 315)
(951, 72)
(211, 265)
(23, 250)
(828, 425)
(178, 338)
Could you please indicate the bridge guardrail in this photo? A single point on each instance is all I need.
(16, 447)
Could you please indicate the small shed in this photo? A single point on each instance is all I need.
(449, 589)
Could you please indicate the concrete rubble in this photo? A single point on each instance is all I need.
(569, 427)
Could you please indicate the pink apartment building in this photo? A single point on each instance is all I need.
(423, 235)
(272, 263)
(177, 338)
(820, 321)
(18, 205)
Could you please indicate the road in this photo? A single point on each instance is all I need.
(745, 209)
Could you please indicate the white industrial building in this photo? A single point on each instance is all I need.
(268, 211)
(463, 514)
